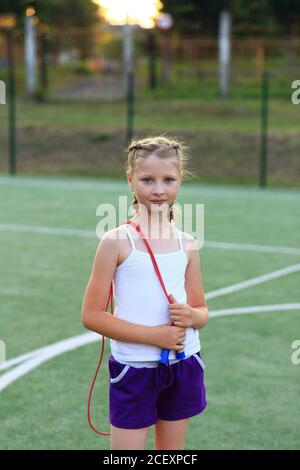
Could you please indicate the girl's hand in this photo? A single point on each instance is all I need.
(180, 314)
(170, 337)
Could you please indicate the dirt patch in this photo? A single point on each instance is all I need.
(214, 155)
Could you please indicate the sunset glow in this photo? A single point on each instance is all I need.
(141, 12)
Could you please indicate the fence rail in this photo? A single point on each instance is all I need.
(75, 53)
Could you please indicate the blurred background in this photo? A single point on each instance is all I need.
(87, 75)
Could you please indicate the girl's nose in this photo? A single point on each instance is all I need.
(158, 192)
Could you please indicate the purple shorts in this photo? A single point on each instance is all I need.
(138, 397)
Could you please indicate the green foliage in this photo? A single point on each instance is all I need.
(194, 16)
(191, 16)
(56, 13)
(41, 95)
(68, 13)
(82, 68)
(255, 16)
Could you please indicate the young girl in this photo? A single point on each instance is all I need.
(143, 392)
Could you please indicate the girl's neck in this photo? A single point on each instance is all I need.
(154, 227)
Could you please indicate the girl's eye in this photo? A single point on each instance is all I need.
(169, 179)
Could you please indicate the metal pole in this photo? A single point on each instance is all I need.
(264, 129)
(11, 103)
(130, 105)
(129, 78)
(224, 52)
(30, 55)
(43, 65)
(152, 60)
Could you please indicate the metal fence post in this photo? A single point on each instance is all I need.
(264, 129)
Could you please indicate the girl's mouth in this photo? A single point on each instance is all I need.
(157, 202)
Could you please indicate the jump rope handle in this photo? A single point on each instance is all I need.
(164, 355)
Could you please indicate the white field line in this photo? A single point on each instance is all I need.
(92, 234)
(16, 360)
(250, 192)
(255, 309)
(70, 232)
(254, 281)
(44, 354)
(40, 356)
(249, 247)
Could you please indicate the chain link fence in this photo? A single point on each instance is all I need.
(77, 122)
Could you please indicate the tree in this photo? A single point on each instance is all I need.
(56, 13)
(249, 16)
(194, 16)
(287, 13)
(253, 17)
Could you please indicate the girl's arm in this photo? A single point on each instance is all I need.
(96, 295)
(95, 299)
(194, 288)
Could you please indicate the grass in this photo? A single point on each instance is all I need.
(216, 115)
(252, 385)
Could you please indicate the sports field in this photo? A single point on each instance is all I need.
(251, 275)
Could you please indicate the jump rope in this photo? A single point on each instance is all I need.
(164, 357)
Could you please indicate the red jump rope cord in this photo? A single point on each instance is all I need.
(138, 229)
(110, 297)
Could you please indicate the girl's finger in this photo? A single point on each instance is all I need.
(176, 317)
(174, 307)
(176, 313)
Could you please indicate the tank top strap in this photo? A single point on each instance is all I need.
(129, 235)
(179, 236)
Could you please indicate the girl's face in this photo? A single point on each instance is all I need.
(155, 179)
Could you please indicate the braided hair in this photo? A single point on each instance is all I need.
(163, 147)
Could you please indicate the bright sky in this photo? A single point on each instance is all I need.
(141, 12)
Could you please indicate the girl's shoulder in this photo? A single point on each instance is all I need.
(113, 241)
(189, 243)
(186, 237)
(114, 234)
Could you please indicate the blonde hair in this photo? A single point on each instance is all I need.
(162, 147)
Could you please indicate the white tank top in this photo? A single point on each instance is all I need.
(139, 298)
